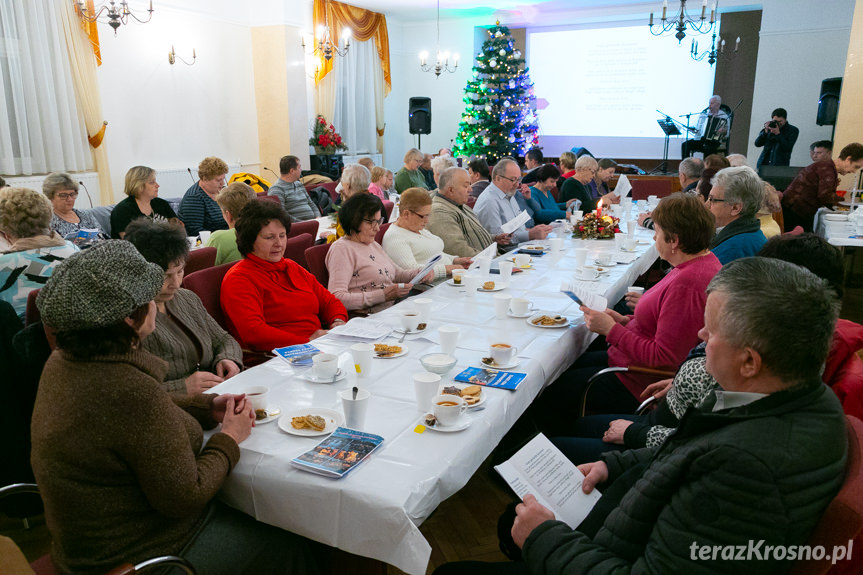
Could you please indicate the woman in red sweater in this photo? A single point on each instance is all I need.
(270, 301)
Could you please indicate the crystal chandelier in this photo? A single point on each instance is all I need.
(442, 60)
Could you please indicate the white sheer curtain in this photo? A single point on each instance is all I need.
(40, 127)
(357, 81)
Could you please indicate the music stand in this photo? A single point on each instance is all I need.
(669, 129)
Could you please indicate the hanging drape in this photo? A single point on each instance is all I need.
(355, 97)
(83, 64)
(41, 129)
(365, 25)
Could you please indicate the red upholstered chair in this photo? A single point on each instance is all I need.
(379, 237)
(308, 227)
(316, 257)
(261, 194)
(200, 259)
(267, 198)
(330, 187)
(555, 193)
(389, 206)
(296, 248)
(843, 370)
(207, 284)
(471, 201)
(843, 520)
(642, 188)
(31, 312)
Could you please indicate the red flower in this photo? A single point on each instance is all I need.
(321, 121)
(322, 139)
(332, 129)
(338, 139)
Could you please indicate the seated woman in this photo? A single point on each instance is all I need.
(410, 176)
(270, 301)
(362, 275)
(409, 244)
(598, 186)
(231, 201)
(34, 249)
(664, 326)
(575, 188)
(712, 164)
(545, 208)
(142, 201)
(355, 179)
(200, 354)
(382, 181)
(123, 468)
(198, 208)
(438, 165)
(62, 191)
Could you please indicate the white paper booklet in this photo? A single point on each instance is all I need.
(515, 223)
(583, 297)
(362, 328)
(426, 269)
(539, 468)
(489, 253)
(623, 187)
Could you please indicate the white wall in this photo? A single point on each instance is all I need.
(171, 117)
(802, 43)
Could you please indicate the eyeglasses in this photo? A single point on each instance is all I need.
(67, 195)
(713, 200)
(373, 223)
(419, 215)
(513, 180)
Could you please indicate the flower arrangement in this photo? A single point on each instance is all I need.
(324, 138)
(592, 227)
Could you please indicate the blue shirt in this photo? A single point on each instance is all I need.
(198, 211)
(545, 208)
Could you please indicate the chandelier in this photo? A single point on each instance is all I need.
(714, 53)
(111, 14)
(323, 44)
(442, 60)
(682, 20)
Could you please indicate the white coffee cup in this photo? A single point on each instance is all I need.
(631, 225)
(423, 307)
(580, 256)
(204, 235)
(635, 289)
(258, 396)
(619, 239)
(501, 304)
(410, 320)
(448, 409)
(587, 273)
(505, 268)
(615, 210)
(471, 282)
(630, 244)
(556, 244)
(502, 352)
(604, 258)
(326, 365)
(425, 386)
(577, 215)
(193, 241)
(522, 260)
(484, 265)
(457, 276)
(448, 338)
(363, 354)
(519, 305)
(355, 409)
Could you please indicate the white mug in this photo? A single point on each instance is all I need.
(580, 256)
(587, 273)
(522, 260)
(630, 244)
(423, 306)
(448, 409)
(471, 282)
(502, 352)
(257, 395)
(556, 244)
(410, 320)
(448, 338)
(604, 258)
(501, 304)
(519, 305)
(577, 215)
(326, 365)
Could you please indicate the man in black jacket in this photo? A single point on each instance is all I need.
(778, 138)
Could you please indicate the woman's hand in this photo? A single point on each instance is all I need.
(618, 318)
(393, 291)
(529, 515)
(525, 191)
(615, 431)
(201, 381)
(632, 298)
(238, 425)
(657, 389)
(220, 405)
(318, 333)
(226, 369)
(503, 239)
(570, 201)
(429, 278)
(462, 262)
(642, 217)
(597, 321)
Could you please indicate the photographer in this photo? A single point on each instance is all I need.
(778, 138)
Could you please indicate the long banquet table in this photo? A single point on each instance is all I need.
(377, 509)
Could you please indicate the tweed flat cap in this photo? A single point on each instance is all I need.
(98, 287)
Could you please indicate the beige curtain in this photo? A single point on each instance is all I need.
(325, 97)
(86, 82)
(380, 92)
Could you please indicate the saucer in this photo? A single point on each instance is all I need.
(611, 265)
(450, 282)
(463, 423)
(513, 362)
(310, 376)
(273, 413)
(529, 313)
(497, 287)
(412, 332)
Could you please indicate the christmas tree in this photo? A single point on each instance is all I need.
(499, 118)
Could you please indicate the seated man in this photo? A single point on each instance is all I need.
(532, 162)
(291, 191)
(454, 222)
(198, 209)
(711, 132)
(480, 176)
(735, 198)
(760, 460)
(497, 204)
(688, 172)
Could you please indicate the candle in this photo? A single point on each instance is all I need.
(664, 8)
(722, 46)
(599, 211)
(703, 8)
(713, 13)
(651, 19)
(737, 44)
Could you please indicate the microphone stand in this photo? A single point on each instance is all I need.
(669, 128)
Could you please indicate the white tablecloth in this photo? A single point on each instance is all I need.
(376, 510)
(838, 233)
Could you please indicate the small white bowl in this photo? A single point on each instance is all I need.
(439, 363)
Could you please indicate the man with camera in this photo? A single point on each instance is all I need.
(778, 138)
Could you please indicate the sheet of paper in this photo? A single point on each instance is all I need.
(515, 223)
(426, 269)
(583, 296)
(623, 187)
(362, 328)
(490, 252)
(539, 468)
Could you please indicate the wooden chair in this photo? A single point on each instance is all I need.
(316, 258)
(307, 227)
(296, 248)
(207, 284)
(200, 259)
(45, 566)
(379, 237)
(389, 206)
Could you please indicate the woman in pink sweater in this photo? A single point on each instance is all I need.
(666, 321)
(362, 275)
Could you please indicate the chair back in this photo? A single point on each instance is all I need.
(267, 198)
(200, 259)
(843, 520)
(207, 284)
(31, 312)
(471, 201)
(644, 187)
(388, 207)
(307, 227)
(379, 237)
(316, 258)
(296, 248)
(329, 186)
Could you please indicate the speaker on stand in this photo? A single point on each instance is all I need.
(419, 117)
(828, 103)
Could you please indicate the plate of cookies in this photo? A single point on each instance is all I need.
(472, 394)
(490, 286)
(548, 320)
(311, 421)
(385, 351)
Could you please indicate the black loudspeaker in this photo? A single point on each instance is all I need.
(579, 152)
(828, 102)
(419, 115)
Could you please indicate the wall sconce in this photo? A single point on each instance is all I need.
(172, 57)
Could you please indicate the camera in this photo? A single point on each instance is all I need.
(772, 124)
